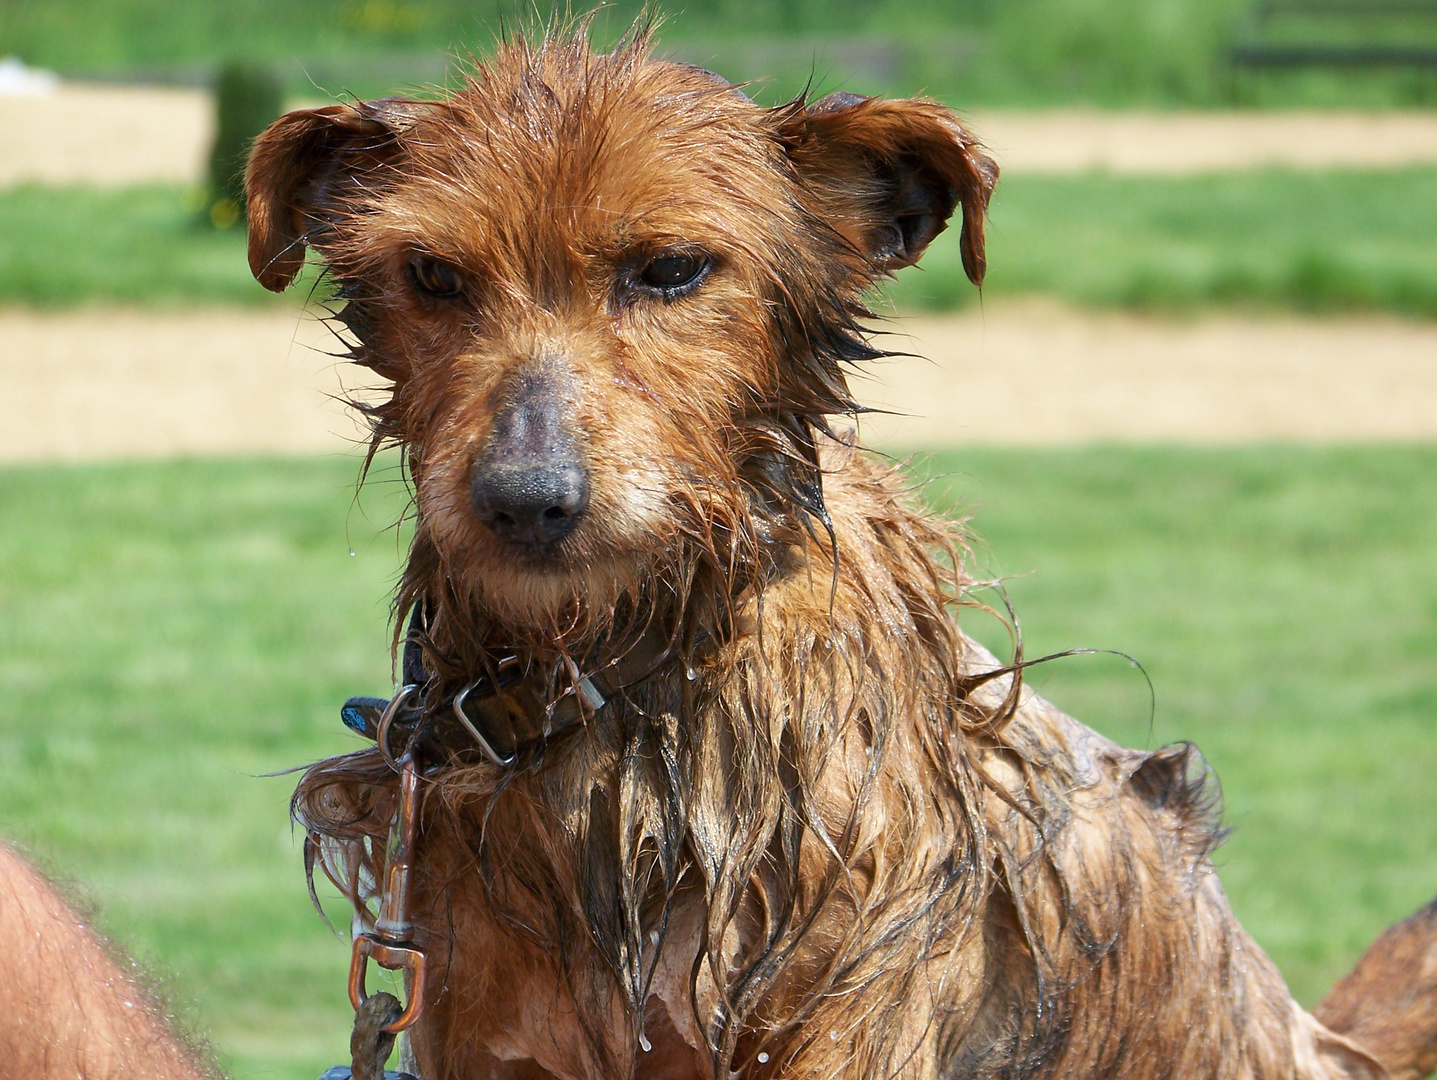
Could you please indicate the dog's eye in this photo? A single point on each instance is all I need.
(671, 272)
(435, 279)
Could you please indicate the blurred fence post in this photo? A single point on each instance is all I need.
(248, 97)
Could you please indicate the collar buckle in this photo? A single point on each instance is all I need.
(476, 731)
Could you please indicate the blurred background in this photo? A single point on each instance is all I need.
(1191, 417)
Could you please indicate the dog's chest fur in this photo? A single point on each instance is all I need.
(1061, 941)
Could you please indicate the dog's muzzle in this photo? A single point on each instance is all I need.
(530, 483)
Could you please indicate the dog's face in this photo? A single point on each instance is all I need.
(613, 295)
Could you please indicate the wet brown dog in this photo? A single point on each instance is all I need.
(714, 783)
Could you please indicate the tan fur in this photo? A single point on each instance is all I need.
(1388, 1000)
(832, 837)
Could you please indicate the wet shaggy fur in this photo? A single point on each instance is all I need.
(829, 836)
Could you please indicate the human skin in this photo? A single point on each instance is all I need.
(70, 1010)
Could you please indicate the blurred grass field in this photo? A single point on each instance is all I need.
(1309, 241)
(176, 631)
(171, 633)
(1013, 52)
(1332, 240)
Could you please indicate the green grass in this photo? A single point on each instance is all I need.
(1097, 47)
(1029, 52)
(142, 245)
(172, 632)
(1284, 603)
(1310, 241)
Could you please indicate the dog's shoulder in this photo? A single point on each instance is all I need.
(1100, 807)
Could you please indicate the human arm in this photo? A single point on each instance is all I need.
(66, 1008)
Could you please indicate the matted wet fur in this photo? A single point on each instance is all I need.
(829, 836)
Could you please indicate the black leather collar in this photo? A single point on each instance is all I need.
(503, 714)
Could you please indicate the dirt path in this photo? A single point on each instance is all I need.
(105, 135)
(123, 135)
(1171, 144)
(1038, 372)
(121, 383)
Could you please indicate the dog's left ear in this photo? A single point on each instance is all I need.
(889, 174)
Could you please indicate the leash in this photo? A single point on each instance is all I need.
(391, 943)
(494, 714)
(379, 1018)
(371, 1042)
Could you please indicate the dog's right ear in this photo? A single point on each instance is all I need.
(300, 164)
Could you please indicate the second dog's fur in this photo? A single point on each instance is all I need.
(814, 831)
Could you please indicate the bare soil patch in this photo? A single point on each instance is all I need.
(125, 135)
(106, 136)
(1036, 372)
(123, 383)
(120, 383)
(1178, 143)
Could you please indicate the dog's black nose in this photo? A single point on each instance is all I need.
(530, 482)
(531, 502)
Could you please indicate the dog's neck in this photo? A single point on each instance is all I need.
(515, 702)
(483, 686)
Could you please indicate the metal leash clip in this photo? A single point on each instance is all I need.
(391, 944)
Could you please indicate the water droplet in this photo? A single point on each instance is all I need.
(644, 1043)
(690, 673)
(351, 553)
(763, 1057)
(654, 936)
(833, 1035)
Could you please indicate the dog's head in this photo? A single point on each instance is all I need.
(614, 297)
